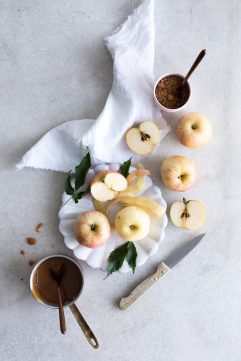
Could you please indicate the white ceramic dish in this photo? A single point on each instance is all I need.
(97, 258)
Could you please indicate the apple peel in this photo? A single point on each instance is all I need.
(149, 205)
(136, 180)
(100, 206)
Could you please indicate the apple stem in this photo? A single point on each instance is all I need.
(185, 213)
(65, 203)
(93, 227)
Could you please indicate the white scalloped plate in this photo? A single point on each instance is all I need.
(97, 257)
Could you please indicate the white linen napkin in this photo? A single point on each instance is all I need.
(130, 101)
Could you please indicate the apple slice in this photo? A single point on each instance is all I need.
(142, 140)
(189, 215)
(136, 180)
(102, 193)
(106, 185)
(116, 181)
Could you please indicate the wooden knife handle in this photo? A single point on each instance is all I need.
(125, 302)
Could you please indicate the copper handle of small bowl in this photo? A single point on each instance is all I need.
(84, 326)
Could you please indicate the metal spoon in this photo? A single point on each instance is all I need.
(57, 277)
(84, 326)
(193, 67)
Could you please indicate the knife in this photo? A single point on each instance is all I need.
(162, 269)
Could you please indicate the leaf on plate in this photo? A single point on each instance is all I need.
(81, 170)
(67, 185)
(116, 258)
(124, 168)
(131, 256)
(80, 195)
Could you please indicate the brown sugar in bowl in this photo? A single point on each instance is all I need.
(167, 94)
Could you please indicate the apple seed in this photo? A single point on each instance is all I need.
(144, 136)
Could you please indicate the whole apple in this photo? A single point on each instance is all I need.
(92, 229)
(132, 223)
(194, 130)
(178, 173)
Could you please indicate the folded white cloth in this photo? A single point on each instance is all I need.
(130, 101)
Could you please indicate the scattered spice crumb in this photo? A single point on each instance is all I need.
(31, 241)
(31, 262)
(38, 227)
(21, 279)
(22, 252)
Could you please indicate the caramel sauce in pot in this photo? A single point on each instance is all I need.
(44, 288)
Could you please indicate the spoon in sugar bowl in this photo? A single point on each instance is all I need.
(197, 61)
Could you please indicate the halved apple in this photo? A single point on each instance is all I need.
(106, 185)
(142, 140)
(189, 215)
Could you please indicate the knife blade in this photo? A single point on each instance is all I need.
(169, 263)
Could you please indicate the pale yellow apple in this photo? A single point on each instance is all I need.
(132, 223)
(92, 229)
(178, 173)
(143, 139)
(189, 215)
(107, 184)
(194, 130)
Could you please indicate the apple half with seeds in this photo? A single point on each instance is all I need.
(142, 140)
(189, 215)
(106, 185)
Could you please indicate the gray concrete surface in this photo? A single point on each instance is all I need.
(54, 67)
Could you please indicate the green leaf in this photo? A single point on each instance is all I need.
(124, 168)
(82, 194)
(67, 185)
(81, 171)
(116, 259)
(79, 195)
(131, 256)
